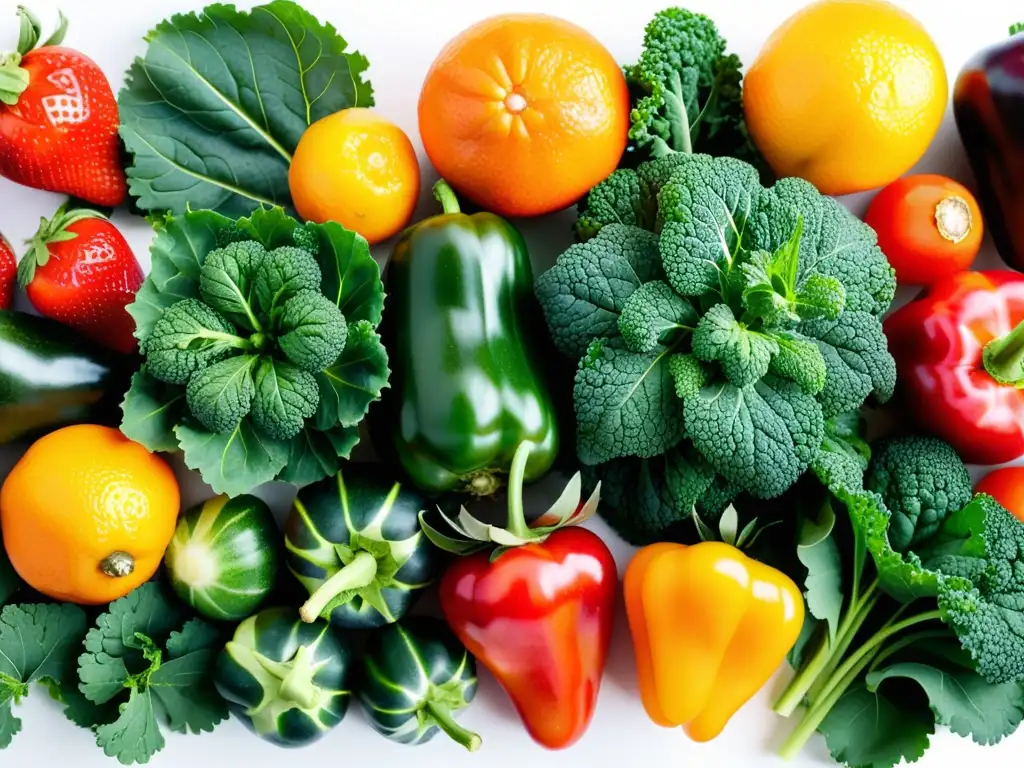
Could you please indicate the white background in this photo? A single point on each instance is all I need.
(401, 38)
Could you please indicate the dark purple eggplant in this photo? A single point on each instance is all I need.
(988, 104)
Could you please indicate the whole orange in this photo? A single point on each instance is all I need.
(87, 514)
(847, 94)
(523, 113)
(358, 169)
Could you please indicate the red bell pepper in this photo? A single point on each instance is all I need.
(959, 352)
(537, 610)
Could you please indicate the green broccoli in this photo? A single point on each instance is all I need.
(306, 238)
(188, 337)
(312, 331)
(921, 480)
(221, 395)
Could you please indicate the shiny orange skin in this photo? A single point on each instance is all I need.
(847, 94)
(523, 113)
(358, 169)
(78, 495)
(903, 215)
(1005, 485)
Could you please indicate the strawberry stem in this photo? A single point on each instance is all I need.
(13, 78)
(31, 31)
(55, 230)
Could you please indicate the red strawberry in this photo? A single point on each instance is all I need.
(58, 120)
(8, 269)
(82, 272)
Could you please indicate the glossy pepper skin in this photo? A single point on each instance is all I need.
(466, 385)
(958, 351)
(710, 626)
(988, 104)
(285, 679)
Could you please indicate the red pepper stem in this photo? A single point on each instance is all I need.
(516, 512)
(442, 716)
(1003, 358)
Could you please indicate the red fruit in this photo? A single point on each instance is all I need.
(82, 272)
(8, 269)
(58, 120)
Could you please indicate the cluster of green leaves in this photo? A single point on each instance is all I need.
(213, 112)
(144, 663)
(726, 332)
(899, 641)
(262, 354)
(686, 91)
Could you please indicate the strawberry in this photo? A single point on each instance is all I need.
(81, 271)
(58, 120)
(7, 272)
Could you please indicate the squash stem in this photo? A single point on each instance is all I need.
(446, 197)
(298, 686)
(442, 715)
(357, 574)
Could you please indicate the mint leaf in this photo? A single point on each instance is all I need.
(745, 355)
(820, 296)
(654, 314)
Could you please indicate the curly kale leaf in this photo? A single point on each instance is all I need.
(188, 337)
(844, 454)
(312, 331)
(220, 396)
(798, 359)
(585, 291)
(654, 314)
(283, 273)
(626, 403)
(285, 397)
(761, 437)
(744, 355)
(227, 281)
(688, 375)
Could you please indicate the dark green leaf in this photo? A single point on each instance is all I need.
(354, 381)
(688, 374)
(150, 411)
(798, 359)
(744, 355)
(314, 455)
(654, 314)
(285, 397)
(135, 736)
(819, 554)
(351, 278)
(232, 462)
(220, 396)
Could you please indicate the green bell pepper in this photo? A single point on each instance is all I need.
(466, 383)
(354, 541)
(415, 676)
(284, 678)
(224, 557)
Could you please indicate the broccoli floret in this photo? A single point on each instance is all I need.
(305, 237)
(281, 274)
(188, 337)
(921, 480)
(285, 397)
(220, 396)
(312, 331)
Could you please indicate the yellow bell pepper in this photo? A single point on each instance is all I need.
(710, 626)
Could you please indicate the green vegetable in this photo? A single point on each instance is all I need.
(415, 677)
(38, 644)
(686, 90)
(224, 557)
(735, 324)
(285, 679)
(213, 112)
(354, 542)
(922, 481)
(469, 382)
(927, 637)
(146, 655)
(260, 344)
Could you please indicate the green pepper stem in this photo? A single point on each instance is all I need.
(516, 513)
(1003, 358)
(445, 195)
(443, 717)
(298, 685)
(357, 574)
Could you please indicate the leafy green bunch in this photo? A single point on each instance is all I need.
(260, 344)
(725, 331)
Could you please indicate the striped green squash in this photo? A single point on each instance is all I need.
(224, 557)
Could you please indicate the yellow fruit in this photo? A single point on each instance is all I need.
(356, 168)
(87, 514)
(847, 94)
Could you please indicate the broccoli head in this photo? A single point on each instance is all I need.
(312, 331)
(188, 337)
(922, 480)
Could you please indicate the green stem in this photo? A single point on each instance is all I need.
(443, 717)
(866, 606)
(903, 642)
(357, 574)
(298, 685)
(516, 512)
(676, 107)
(1003, 358)
(446, 197)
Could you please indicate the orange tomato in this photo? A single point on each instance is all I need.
(87, 514)
(358, 169)
(928, 226)
(1005, 485)
(523, 113)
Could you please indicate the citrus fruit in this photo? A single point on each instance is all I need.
(847, 94)
(87, 514)
(358, 169)
(523, 113)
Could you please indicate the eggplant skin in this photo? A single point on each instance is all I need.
(51, 377)
(988, 106)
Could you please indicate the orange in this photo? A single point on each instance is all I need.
(358, 169)
(87, 514)
(847, 94)
(523, 113)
